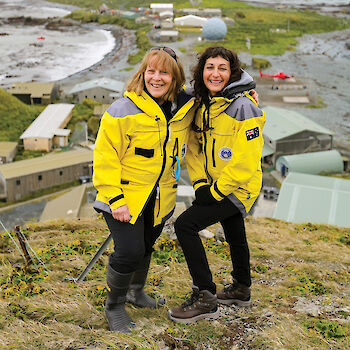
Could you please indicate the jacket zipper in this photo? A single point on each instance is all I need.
(213, 153)
(160, 143)
(163, 152)
(164, 162)
(205, 146)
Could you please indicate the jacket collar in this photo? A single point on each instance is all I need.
(150, 107)
(145, 102)
(220, 102)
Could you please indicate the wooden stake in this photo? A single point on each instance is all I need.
(23, 245)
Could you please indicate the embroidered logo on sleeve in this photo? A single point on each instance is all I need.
(252, 133)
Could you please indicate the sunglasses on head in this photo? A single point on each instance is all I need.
(168, 50)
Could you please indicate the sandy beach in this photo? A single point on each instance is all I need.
(47, 50)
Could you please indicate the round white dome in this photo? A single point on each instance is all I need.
(214, 29)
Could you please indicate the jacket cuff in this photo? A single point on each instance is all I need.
(117, 202)
(216, 193)
(200, 183)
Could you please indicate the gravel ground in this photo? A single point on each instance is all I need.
(325, 59)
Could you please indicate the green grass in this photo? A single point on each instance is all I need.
(41, 310)
(319, 104)
(15, 116)
(259, 24)
(83, 112)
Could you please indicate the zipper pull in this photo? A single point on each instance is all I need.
(160, 142)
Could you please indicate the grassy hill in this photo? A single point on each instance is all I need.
(300, 292)
(15, 116)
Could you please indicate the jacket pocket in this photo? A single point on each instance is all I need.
(148, 153)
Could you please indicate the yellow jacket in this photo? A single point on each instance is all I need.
(134, 154)
(225, 149)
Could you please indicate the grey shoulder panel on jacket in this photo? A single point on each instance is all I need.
(242, 108)
(123, 107)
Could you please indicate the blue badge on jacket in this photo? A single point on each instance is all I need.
(252, 133)
(225, 153)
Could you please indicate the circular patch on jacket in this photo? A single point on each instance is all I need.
(225, 153)
(183, 150)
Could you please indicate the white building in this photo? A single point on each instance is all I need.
(166, 35)
(166, 15)
(190, 21)
(47, 130)
(103, 90)
(158, 8)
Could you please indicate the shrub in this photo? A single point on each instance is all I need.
(260, 63)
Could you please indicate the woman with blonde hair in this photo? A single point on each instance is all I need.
(140, 144)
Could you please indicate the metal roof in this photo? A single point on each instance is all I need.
(62, 132)
(34, 89)
(281, 123)
(267, 150)
(6, 147)
(161, 6)
(66, 206)
(49, 120)
(312, 163)
(190, 20)
(48, 162)
(315, 199)
(106, 83)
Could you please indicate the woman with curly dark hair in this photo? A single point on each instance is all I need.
(224, 163)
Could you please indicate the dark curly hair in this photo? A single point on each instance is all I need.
(200, 90)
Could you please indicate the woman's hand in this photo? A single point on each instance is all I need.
(122, 213)
(255, 95)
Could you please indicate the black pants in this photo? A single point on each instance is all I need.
(197, 218)
(133, 242)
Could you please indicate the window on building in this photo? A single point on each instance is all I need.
(40, 177)
(61, 172)
(103, 96)
(94, 96)
(18, 182)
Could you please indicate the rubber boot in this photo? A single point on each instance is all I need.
(117, 287)
(136, 294)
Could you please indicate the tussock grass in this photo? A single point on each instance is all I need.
(300, 292)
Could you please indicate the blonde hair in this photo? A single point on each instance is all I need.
(164, 61)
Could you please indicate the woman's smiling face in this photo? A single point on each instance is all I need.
(157, 80)
(216, 74)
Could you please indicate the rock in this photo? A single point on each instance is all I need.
(206, 234)
(219, 235)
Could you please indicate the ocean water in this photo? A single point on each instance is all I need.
(33, 53)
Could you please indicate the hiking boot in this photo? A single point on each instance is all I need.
(136, 294)
(234, 293)
(116, 315)
(202, 305)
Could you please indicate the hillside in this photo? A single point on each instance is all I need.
(15, 116)
(300, 292)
